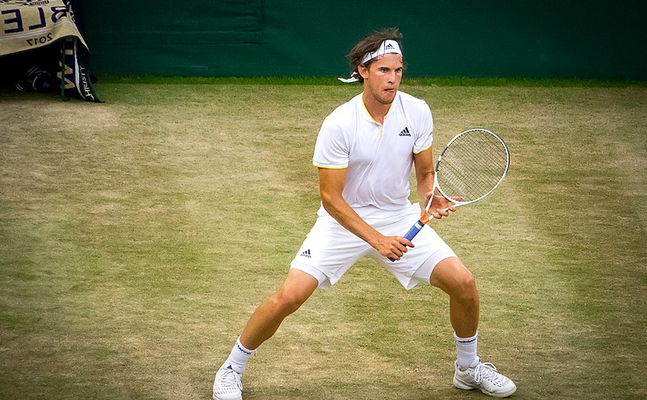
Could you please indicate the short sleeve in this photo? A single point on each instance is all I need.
(424, 128)
(332, 149)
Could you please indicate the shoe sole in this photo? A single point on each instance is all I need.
(460, 385)
(214, 397)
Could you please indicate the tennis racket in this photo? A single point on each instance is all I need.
(470, 167)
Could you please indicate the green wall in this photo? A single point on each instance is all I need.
(505, 38)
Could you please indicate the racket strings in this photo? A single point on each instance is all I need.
(472, 166)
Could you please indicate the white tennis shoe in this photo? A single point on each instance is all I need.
(484, 376)
(227, 385)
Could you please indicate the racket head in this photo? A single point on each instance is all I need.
(471, 166)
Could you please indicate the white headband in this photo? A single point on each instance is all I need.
(387, 47)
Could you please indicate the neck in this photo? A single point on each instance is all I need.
(377, 109)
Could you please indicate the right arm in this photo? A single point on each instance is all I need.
(331, 187)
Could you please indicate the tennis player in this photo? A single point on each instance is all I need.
(364, 153)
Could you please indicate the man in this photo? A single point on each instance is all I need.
(364, 154)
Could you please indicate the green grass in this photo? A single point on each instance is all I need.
(137, 236)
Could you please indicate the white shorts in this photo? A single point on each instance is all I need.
(329, 250)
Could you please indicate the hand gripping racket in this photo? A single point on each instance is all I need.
(470, 167)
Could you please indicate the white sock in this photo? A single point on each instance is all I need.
(238, 357)
(466, 351)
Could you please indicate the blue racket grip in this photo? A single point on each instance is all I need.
(412, 233)
(414, 230)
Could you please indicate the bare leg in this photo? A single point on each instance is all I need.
(267, 318)
(452, 277)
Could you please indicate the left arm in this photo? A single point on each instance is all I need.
(424, 166)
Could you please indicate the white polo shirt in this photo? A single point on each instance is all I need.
(378, 157)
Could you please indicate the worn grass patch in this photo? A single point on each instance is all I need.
(137, 236)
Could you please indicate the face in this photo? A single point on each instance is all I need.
(382, 78)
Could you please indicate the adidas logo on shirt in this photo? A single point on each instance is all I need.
(405, 132)
(305, 254)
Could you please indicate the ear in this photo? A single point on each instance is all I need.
(363, 71)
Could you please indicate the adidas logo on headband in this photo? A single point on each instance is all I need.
(387, 47)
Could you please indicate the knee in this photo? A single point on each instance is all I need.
(286, 302)
(465, 287)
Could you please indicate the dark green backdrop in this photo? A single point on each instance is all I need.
(479, 38)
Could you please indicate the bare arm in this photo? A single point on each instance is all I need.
(331, 186)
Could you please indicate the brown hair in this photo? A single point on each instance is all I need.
(370, 44)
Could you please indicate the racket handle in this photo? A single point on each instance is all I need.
(414, 230)
(412, 233)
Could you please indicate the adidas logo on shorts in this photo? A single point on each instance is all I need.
(305, 254)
